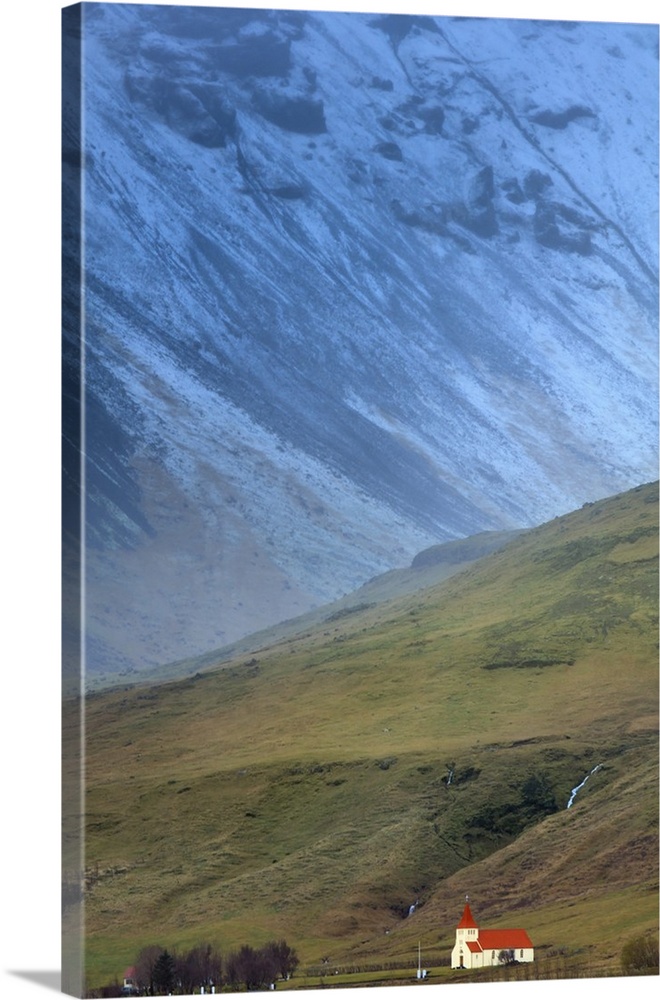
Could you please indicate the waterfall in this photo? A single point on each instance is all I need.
(577, 788)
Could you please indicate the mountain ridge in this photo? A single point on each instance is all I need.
(428, 568)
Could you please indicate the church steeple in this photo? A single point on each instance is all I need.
(467, 920)
(466, 931)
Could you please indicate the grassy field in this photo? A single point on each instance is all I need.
(406, 751)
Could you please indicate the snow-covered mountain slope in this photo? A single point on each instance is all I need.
(354, 285)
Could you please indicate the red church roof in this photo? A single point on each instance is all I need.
(500, 940)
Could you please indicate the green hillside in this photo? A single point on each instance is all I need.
(407, 751)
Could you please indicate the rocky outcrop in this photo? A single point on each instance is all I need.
(560, 119)
(262, 56)
(560, 228)
(291, 112)
(389, 151)
(197, 112)
(480, 214)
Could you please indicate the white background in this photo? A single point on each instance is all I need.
(29, 488)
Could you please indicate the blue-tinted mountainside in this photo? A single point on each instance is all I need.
(354, 285)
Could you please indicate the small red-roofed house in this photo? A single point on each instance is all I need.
(476, 948)
(130, 987)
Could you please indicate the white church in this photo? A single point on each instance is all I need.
(476, 948)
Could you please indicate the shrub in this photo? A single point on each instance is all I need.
(640, 956)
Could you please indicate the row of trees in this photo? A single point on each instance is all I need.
(256, 968)
(160, 972)
(157, 971)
